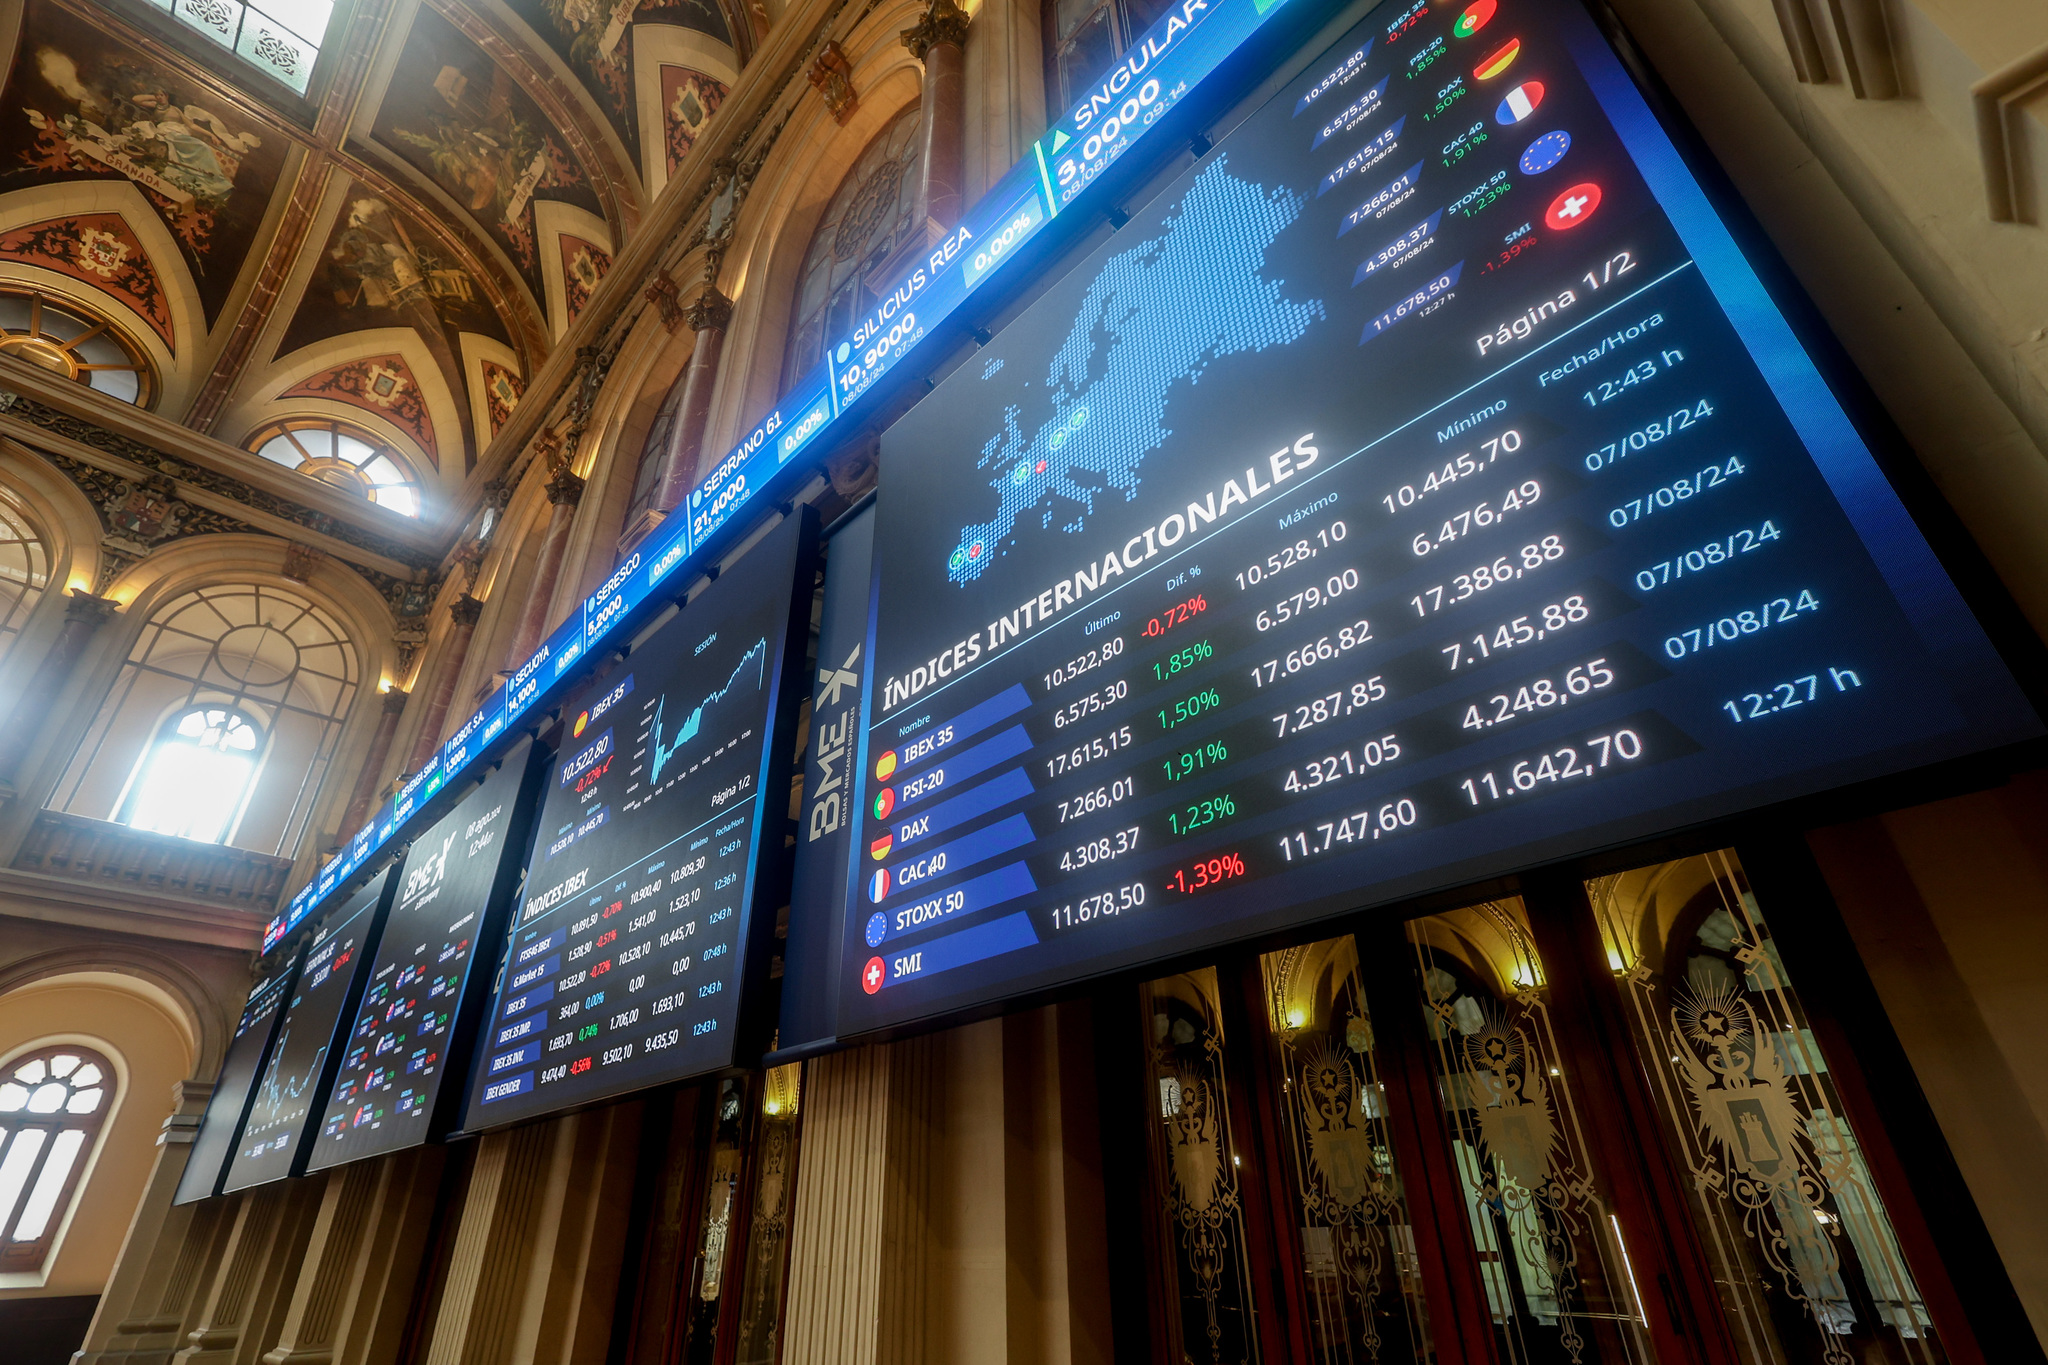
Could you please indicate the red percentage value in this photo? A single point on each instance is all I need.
(1207, 873)
(1178, 614)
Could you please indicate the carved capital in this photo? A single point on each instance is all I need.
(90, 611)
(663, 295)
(565, 489)
(945, 23)
(832, 73)
(709, 311)
(465, 610)
(395, 700)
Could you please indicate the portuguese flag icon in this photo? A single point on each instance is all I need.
(1474, 18)
(1500, 61)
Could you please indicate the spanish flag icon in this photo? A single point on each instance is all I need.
(1499, 61)
(885, 765)
(879, 849)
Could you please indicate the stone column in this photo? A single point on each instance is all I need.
(368, 783)
(254, 1274)
(355, 1283)
(565, 490)
(709, 314)
(863, 1195)
(462, 613)
(151, 1294)
(486, 1278)
(938, 41)
(82, 618)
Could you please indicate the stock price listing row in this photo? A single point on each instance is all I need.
(624, 968)
(1274, 616)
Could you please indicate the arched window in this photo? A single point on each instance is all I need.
(194, 779)
(59, 336)
(24, 569)
(241, 681)
(53, 1102)
(342, 455)
(1084, 37)
(867, 220)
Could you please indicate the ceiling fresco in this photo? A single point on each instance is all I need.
(381, 268)
(445, 162)
(80, 104)
(462, 121)
(595, 38)
(383, 385)
(101, 250)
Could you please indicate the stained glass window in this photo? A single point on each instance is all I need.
(344, 456)
(53, 1102)
(63, 338)
(865, 222)
(281, 38)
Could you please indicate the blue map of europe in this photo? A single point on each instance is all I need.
(1157, 315)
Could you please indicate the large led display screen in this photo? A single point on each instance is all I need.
(415, 1021)
(285, 1110)
(1424, 486)
(248, 1050)
(661, 830)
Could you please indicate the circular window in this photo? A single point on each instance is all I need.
(59, 336)
(344, 456)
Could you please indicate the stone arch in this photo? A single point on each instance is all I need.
(174, 572)
(70, 527)
(782, 210)
(207, 1024)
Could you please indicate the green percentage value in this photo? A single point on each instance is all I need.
(1193, 817)
(1187, 708)
(1194, 760)
(1181, 660)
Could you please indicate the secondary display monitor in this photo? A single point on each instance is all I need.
(233, 1089)
(285, 1110)
(660, 836)
(1424, 486)
(416, 1021)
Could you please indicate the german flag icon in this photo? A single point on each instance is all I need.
(879, 849)
(1500, 61)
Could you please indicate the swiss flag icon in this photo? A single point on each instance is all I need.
(872, 974)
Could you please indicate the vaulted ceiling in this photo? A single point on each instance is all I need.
(399, 248)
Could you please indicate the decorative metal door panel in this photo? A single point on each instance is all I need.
(1361, 1281)
(1554, 1256)
(1195, 1161)
(1805, 1257)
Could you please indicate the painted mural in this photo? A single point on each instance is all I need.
(688, 100)
(595, 37)
(380, 268)
(502, 389)
(583, 265)
(380, 384)
(460, 119)
(81, 105)
(101, 250)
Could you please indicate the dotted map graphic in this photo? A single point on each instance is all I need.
(1156, 315)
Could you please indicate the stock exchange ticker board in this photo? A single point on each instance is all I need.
(232, 1089)
(661, 827)
(411, 1030)
(303, 1060)
(1424, 486)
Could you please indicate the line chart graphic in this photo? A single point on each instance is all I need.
(662, 752)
